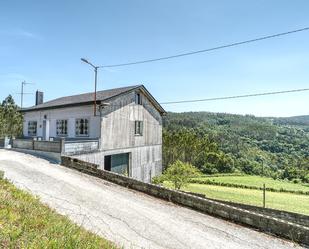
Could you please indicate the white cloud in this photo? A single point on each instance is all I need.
(12, 76)
(20, 33)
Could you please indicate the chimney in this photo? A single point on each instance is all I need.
(38, 97)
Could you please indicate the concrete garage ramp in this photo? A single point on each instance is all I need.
(127, 217)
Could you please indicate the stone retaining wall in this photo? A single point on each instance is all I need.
(284, 215)
(300, 219)
(268, 224)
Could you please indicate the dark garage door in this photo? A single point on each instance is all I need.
(118, 163)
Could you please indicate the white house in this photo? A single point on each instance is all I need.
(128, 126)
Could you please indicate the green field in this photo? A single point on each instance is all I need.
(277, 200)
(27, 223)
(257, 181)
(282, 201)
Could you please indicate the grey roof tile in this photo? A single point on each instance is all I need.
(82, 98)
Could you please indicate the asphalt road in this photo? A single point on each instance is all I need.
(129, 218)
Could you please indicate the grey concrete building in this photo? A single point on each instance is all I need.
(127, 128)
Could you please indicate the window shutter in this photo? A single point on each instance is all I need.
(141, 127)
(135, 127)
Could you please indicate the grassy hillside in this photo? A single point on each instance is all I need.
(223, 143)
(26, 223)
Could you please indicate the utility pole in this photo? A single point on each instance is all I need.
(95, 84)
(22, 92)
(95, 91)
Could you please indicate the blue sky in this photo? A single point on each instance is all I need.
(42, 42)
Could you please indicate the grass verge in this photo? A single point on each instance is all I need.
(27, 223)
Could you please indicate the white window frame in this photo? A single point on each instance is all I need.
(60, 132)
(138, 128)
(34, 128)
(78, 134)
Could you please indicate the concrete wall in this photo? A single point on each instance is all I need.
(80, 147)
(59, 146)
(118, 136)
(51, 156)
(285, 229)
(30, 144)
(23, 144)
(49, 146)
(69, 113)
(118, 123)
(145, 161)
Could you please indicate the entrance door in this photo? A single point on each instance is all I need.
(118, 163)
(45, 129)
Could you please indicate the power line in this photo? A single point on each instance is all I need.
(234, 97)
(206, 50)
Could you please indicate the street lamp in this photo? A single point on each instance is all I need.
(95, 84)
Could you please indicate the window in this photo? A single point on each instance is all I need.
(139, 128)
(32, 128)
(138, 99)
(82, 127)
(62, 127)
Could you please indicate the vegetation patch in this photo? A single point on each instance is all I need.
(27, 223)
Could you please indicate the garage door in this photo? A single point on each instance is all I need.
(118, 163)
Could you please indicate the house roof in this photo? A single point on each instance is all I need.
(88, 98)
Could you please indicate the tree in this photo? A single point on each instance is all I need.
(10, 118)
(179, 174)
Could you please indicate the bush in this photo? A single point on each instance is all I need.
(209, 168)
(306, 178)
(296, 180)
(157, 180)
(179, 173)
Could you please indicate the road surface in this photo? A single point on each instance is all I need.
(129, 218)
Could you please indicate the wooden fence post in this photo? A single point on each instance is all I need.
(264, 195)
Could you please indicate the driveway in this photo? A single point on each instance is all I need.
(129, 218)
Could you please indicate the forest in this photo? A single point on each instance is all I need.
(227, 143)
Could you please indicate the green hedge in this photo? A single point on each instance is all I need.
(222, 174)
